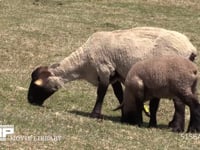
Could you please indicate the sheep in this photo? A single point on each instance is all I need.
(161, 77)
(105, 58)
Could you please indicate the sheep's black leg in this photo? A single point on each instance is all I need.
(140, 106)
(101, 91)
(154, 103)
(118, 90)
(178, 122)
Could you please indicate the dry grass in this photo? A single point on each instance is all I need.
(40, 32)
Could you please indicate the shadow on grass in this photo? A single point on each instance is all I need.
(114, 119)
(87, 114)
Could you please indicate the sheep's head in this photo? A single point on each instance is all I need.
(41, 86)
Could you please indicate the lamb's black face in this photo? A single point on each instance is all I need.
(37, 92)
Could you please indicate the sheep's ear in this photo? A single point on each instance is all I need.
(39, 82)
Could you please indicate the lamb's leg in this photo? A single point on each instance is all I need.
(194, 124)
(193, 103)
(133, 103)
(101, 91)
(132, 111)
(154, 103)
(140, 105)
(129, 109)
(178, 122)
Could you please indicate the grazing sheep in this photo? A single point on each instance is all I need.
(161, 77)
(105, 59)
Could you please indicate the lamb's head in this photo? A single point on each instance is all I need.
(42, 86)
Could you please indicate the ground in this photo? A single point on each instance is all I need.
(42, 32)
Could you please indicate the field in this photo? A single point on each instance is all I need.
(42, 32)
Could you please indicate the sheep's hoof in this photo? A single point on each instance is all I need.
(171, 124)
(193, 129)
(177, 129)
(96, 115)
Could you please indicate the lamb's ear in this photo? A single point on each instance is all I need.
(39, 82)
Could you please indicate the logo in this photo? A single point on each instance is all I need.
(5, 130)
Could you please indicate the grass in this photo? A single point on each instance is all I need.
(41, 32)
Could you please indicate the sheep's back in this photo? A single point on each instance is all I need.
(118, 50)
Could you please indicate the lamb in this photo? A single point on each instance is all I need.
(105, 59)
(161, 77)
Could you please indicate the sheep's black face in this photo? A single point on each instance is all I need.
(37, 95)
(38, 92)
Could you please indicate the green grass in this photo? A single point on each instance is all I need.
(41, 32)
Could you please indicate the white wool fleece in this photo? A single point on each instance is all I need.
(105, 53)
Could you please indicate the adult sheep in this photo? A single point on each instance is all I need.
(105, 59)
(161, 77)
